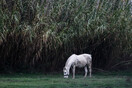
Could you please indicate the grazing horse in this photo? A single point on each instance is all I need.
(82, 60)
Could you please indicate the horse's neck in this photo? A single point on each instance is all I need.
(70, 61)
(69, 64)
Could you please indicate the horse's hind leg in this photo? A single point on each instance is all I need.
(86, 71)
(90, 69)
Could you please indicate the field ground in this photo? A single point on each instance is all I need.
(105, 80)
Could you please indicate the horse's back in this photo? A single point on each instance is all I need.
(87, 57)
(79, 60)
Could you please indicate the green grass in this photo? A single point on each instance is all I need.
(57, 81)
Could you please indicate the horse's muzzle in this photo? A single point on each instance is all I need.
(65, 76)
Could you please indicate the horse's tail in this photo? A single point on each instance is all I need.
(90, 56)
(91, 60)
(90, 65)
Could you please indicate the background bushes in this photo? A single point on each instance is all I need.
(39, 35)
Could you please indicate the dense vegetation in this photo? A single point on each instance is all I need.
(39, 35)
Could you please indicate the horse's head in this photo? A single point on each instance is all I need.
(66, 72)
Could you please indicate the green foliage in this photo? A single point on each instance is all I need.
(41, 34)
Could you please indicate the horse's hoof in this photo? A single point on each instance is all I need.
(84, 77)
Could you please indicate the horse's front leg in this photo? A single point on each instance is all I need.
(73, 70)
(86, 71)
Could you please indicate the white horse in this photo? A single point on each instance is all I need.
(74, 60)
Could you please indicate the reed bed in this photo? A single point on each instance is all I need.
(39, 35)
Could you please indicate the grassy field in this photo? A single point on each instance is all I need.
(107, 80)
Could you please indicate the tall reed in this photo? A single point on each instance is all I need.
(39, 35)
